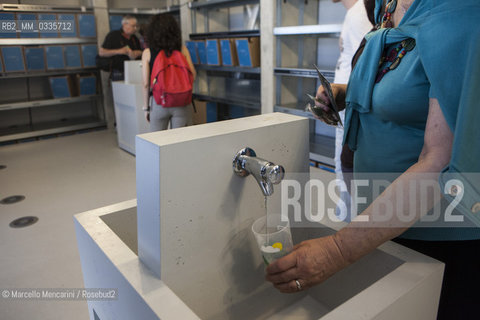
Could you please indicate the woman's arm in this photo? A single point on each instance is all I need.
(189, 61)
(315, 260)
(146, 81)
(434, 157)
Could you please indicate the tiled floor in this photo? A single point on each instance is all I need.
(59, 177)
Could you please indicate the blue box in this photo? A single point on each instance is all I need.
(35, 59)
(192, 49)
(55, 59)
(229, 54)
(9, 27)
(213, 52)
(115, 22)
(61, 87)
(212, 114)
(72, 56)
(236, 111)
(44, 27)
(87, 85)
(27, 22)
(248, 51)
(89, 52)
(202, 52)
(70, 29)
(86, 26)
(13, 59)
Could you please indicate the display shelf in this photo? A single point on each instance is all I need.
(231, 100)
(226, 34)
(48, 102)
(28, 109)
(306, 33)
(33, 74)
(322, 149)
(304, 73)
(145, 11)
(49, 128)
(47, 8)
(44, 41)
(227, 85)
(297, 109)
(227, 69)
(219, 3)
(320, 29)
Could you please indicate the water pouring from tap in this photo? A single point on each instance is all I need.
(272, 234)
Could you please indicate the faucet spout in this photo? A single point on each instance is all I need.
(266, 173)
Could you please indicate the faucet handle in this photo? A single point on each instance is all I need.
(275, 173)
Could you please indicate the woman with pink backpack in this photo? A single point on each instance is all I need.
(168, 75)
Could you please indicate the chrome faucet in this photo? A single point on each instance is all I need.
(266, 173)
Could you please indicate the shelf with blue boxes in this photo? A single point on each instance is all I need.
(306, 34)
(225, 48)
(48, 75)
(233, 76)
(218, 3)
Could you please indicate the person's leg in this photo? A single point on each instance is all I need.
(179, 116)
(461, 280)
(190, 112)
(159, 117)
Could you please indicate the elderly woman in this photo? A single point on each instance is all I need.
(412, 106)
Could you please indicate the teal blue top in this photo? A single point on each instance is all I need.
(385, 122)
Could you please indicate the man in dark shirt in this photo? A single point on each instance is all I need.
(121, 45)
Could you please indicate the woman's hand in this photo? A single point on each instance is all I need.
(322, 100)
(338, 91)
(310, 263)
(323, 106)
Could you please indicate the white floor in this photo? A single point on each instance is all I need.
(59, 177)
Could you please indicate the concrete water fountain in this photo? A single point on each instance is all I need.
(184, 248)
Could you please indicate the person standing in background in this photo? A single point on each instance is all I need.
(121, 45)
(355, 27)
(163, 34)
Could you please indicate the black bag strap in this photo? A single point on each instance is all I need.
(194, 108)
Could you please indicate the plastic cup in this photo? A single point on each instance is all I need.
(273, 237)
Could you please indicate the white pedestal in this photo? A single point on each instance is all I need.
(133, 72)
(130, 118)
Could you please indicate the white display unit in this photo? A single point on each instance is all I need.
(128, 102)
